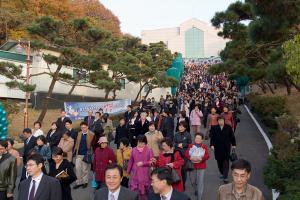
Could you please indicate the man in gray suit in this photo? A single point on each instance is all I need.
(39, 186)
(114, 190)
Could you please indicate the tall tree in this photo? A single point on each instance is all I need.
(257, 31)
(73, 40)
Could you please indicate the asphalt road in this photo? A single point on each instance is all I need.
(250, 146)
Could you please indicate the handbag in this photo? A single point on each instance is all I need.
(174, 174)
(188, 165)
(233, 155)
(87, 158)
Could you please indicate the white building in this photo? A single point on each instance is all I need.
(8, 53)
(193, 38)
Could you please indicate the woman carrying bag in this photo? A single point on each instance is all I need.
(198, 154)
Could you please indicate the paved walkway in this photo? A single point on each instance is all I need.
(250, 145)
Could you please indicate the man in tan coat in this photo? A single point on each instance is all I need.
(82, 148)
(240, 189)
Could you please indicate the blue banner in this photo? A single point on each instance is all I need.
(78, 110)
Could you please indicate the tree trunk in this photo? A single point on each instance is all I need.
(295, 85)
(288, 84)
(114, 94)
(49, 94)
(106, 94)
(138, 94)
(72, 89)
(270, 87)
(148, 92)
(262, 87)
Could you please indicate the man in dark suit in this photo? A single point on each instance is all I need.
(222, 137)
(29, 143)
(97, 124)
(70, 128)
(114, 190)
(39, 186)
(128, 113)
(60, 123)
(161, 181)
(89, 119)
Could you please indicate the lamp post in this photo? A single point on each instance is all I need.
(20, 46)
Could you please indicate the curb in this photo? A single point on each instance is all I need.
(275, 194)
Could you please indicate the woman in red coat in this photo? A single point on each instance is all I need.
(198, 154)
(165, 160)
(103, 156)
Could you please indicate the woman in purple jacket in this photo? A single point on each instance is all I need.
(138, 168)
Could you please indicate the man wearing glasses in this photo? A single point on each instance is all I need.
(39, 186)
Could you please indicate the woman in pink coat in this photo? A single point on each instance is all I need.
(139, 166)
(195, 118)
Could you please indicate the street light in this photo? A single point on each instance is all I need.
(19, 49)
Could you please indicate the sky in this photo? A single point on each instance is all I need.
(138, 15)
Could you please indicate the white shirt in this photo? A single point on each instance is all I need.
(168, 195)
(37, 183)
(37, 133)
(116, 194)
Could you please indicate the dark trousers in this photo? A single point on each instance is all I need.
(3, 195)
(184, 175)
(223, 166)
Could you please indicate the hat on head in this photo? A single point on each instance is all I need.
(102, 140)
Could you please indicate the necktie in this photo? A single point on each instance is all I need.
(31, 194)
(163, 198)
(112, 197)
(89, 120)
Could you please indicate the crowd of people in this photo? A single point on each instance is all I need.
(148, 155)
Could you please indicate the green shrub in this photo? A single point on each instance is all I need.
(268, 108)
(273, 106)
(282, 171)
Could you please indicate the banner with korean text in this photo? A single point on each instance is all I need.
(78, 110)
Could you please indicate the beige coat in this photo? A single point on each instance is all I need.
(227, 192)
(67, 147)
(153, 140)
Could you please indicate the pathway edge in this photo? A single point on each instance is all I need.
(275, 194)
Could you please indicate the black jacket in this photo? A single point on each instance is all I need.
(65, 182)
(61, 123)
(27, 147)
(97, 126)
(175, 196)
(48, 189)
(8, 173)
(121, 131)
(184, 138)
(141, 129)
(222, 141)
(53, 139)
